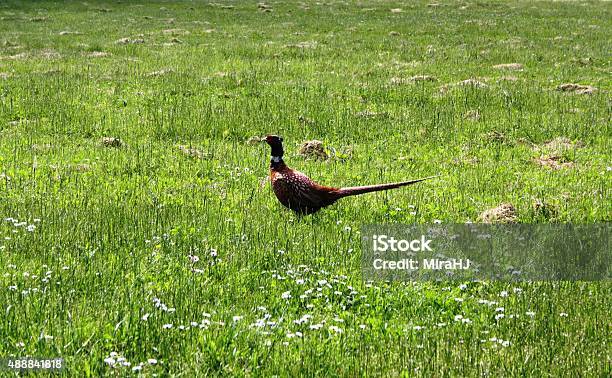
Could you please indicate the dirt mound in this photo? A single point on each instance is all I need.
(264, 7)
(509, 66)
(255, 140)
(130, 41)
(98, 54)
(504, 213)
(412, 79)
(561, 143)
(112, 142)
(472, 83)
(555, 162)
(313, 149)
(577, 88)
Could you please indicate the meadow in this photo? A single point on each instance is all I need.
(138, 234)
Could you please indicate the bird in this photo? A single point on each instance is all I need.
(301, 194)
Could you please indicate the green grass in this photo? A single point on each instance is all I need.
(117, 224)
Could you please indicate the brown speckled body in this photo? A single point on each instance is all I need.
(299, 193)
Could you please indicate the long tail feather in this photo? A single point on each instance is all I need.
(355, 190)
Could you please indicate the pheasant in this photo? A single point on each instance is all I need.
(299, 193)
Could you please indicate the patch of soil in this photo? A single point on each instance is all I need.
(561, 143)
(577, 88)
(112, 142)
(509, 66)
(98, 54)
(413, 79)
(313, 149)
(554, 162)
(504, 213)
(130, 41)
(255, 140)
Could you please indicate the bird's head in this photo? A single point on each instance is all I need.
(273, 140)
(276, 143)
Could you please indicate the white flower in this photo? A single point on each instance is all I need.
(213, 252)
(335, 329)
(152, 361)
(362, 326)
(137, 368)
(499, 309)
(316, 326)
(167, 326)
(499, 316)
(530, 313)
(145, 316)
(503, 294)
(563, 314)
(31, 228)
(237, 318)
(462, 287)
(458, 317)
(299, 281)
(109, 360)
(286, 295)
(417, 328)
(194, 259)
(437, 221)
